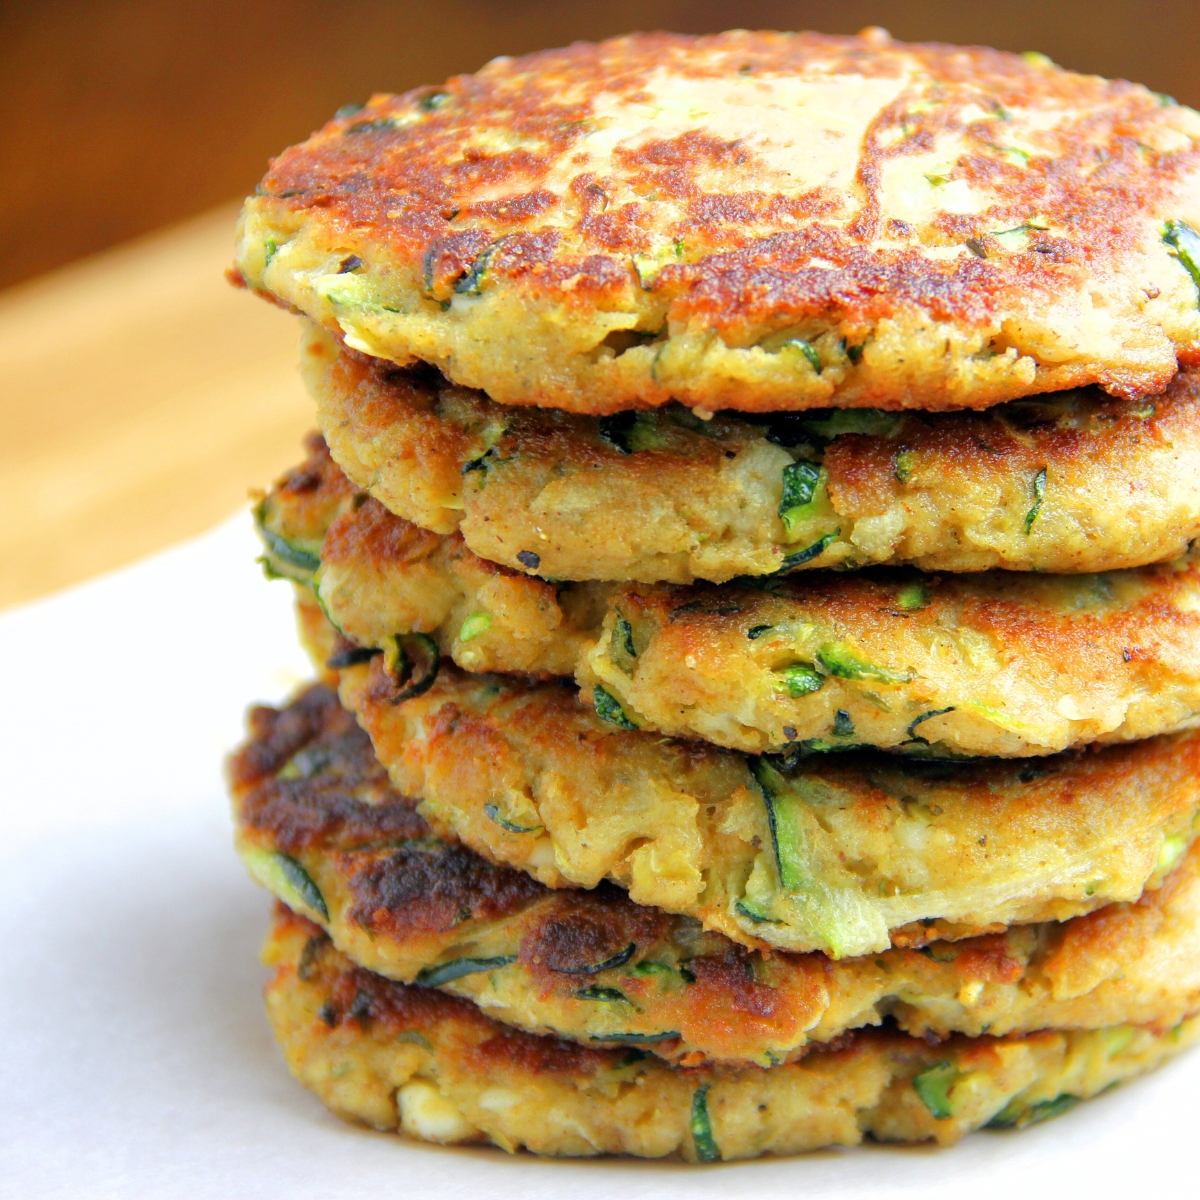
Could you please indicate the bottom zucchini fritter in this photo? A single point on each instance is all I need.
(397, 1056)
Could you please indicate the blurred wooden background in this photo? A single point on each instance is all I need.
(139, 398)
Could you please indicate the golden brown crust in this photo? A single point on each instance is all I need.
(611, 226)
(396, 1056)
(594, 967)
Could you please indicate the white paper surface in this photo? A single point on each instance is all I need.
(135, 1060)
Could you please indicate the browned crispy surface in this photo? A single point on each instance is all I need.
(415, 888)
(334, 772)
(899, 843)
(650, 189)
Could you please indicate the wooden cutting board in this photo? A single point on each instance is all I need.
(140, 397)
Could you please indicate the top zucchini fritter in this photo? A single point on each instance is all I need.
(756, 221)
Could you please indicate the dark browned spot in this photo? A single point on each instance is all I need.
(335, 794)
(435, 887)
(276, 734)
(585, 930)
(370, 534)
(728, 983)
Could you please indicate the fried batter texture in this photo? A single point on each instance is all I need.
(845, 854)
(662, 496)
(401, 1057)
(998, 663)
(317, 824)
(752, 221)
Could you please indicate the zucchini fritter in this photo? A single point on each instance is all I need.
(664, 496)
(318, 825)
(758, 221)
(397, 1056)
(997, 663)
(842, 853)
(992, 664)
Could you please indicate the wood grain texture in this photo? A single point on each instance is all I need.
(142, 396)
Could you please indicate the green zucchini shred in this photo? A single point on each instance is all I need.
(377, 125)
(913, 736)
(1017, 1114)
(608, 708)
(1039, 494)
(492, 811)
(668, 977)
(840, 660)
(608, 995)
(636, 1039)
(700, 1124)
(801, 482)
(753, 913)
(474, 625)
(787, 837)
(353, 657)
(840, 918)
(809, 552)
(646, 268)
(399, 655)
(933, 1086)
(609, 964)
(471, 284)
(843, 726)
(447, 972)
(1184, 243)
(800, 679)
(270, 571)
(807, 349)
(905, 461)
(280, 549)
(756, 631)
(302, 884)
(913, 596)
(623, 635)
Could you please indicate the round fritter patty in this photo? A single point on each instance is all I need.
(397, 1056)
(844, 854)
(758, 221)
(991, 664)
(318, 825)
(1070, 482)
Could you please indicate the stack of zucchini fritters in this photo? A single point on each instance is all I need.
(746, 564)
